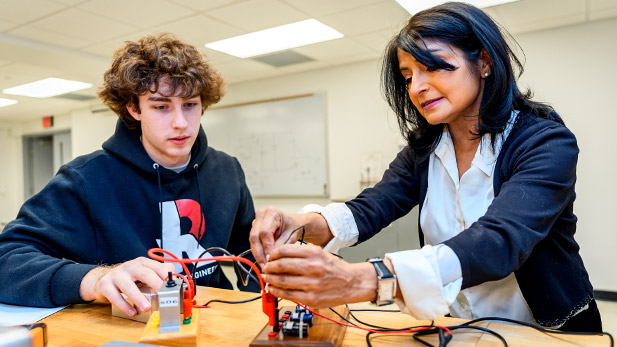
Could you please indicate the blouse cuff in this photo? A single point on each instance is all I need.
(341, 223)
(418, 272)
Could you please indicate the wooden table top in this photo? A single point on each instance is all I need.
(237, 325)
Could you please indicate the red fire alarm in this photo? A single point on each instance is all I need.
(48, 122)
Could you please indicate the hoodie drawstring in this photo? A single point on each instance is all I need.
(201, 214)
(158, 175)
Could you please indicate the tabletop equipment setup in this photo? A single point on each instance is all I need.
(174, 319)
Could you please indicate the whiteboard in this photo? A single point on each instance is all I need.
(281, 144)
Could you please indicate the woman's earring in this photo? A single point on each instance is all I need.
(486, 74)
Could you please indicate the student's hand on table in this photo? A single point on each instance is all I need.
(271, 228)
(106, 283)
(309, 275)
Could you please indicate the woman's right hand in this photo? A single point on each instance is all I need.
(271, 228)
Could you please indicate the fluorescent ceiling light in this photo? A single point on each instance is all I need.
(276, 39)
(47, 87)
(413, 6)
(7, 102)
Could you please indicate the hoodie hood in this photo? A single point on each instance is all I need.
(126, 144)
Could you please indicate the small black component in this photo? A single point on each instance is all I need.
(297, 323)
(170, 280)
(295, 329)
(276, 327)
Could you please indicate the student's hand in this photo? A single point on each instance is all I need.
(106, 283)
(309, 275)
(271, 228)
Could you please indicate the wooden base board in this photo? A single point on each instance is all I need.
(322, 333)
(188, 335)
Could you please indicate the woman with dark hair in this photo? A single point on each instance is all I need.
(492, 172)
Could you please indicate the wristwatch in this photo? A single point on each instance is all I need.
(386, 285)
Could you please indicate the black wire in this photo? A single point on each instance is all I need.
(374, 326)
(336, 255)
(468, 325)
(380, 328)
(296, 229)
(247, 272)
(421, 341)
(445, 337)
(443, 341)
(239, 268)
(368, 338)
(486, 330)
(301, 240)
(231, 302)
(343, 318)
(541, 329)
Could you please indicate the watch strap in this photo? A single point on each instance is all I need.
(386, 282)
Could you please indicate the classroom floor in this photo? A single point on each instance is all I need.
(608, 309)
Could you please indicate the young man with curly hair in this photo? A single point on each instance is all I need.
(155, 183)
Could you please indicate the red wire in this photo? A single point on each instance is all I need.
(375, 331)
(174, 259)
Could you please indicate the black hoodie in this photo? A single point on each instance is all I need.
(104, 208)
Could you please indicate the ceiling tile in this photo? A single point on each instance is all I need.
(524, 16)
(301, 67)
(19, 11)
(70, 2)
(353, 58)
(15, 74)
(201, 5)
(32, 108)
(243, 68)
(75, 39)
(30, 70)
(83, 25)
(271, 13)
(217, 57)
(48, 37)
(600, 9)
(333, 49)
(6, 24)
(138, 13)
(381, 16)
(377, 40)
(316, 8)
(107, 48)
(200, 29)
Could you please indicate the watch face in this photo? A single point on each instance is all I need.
(386, 291)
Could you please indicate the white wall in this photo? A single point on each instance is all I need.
(10, 174)
(570, 67)
(573, 68)
(90, 130)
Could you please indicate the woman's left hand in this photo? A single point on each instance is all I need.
(309, 275)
